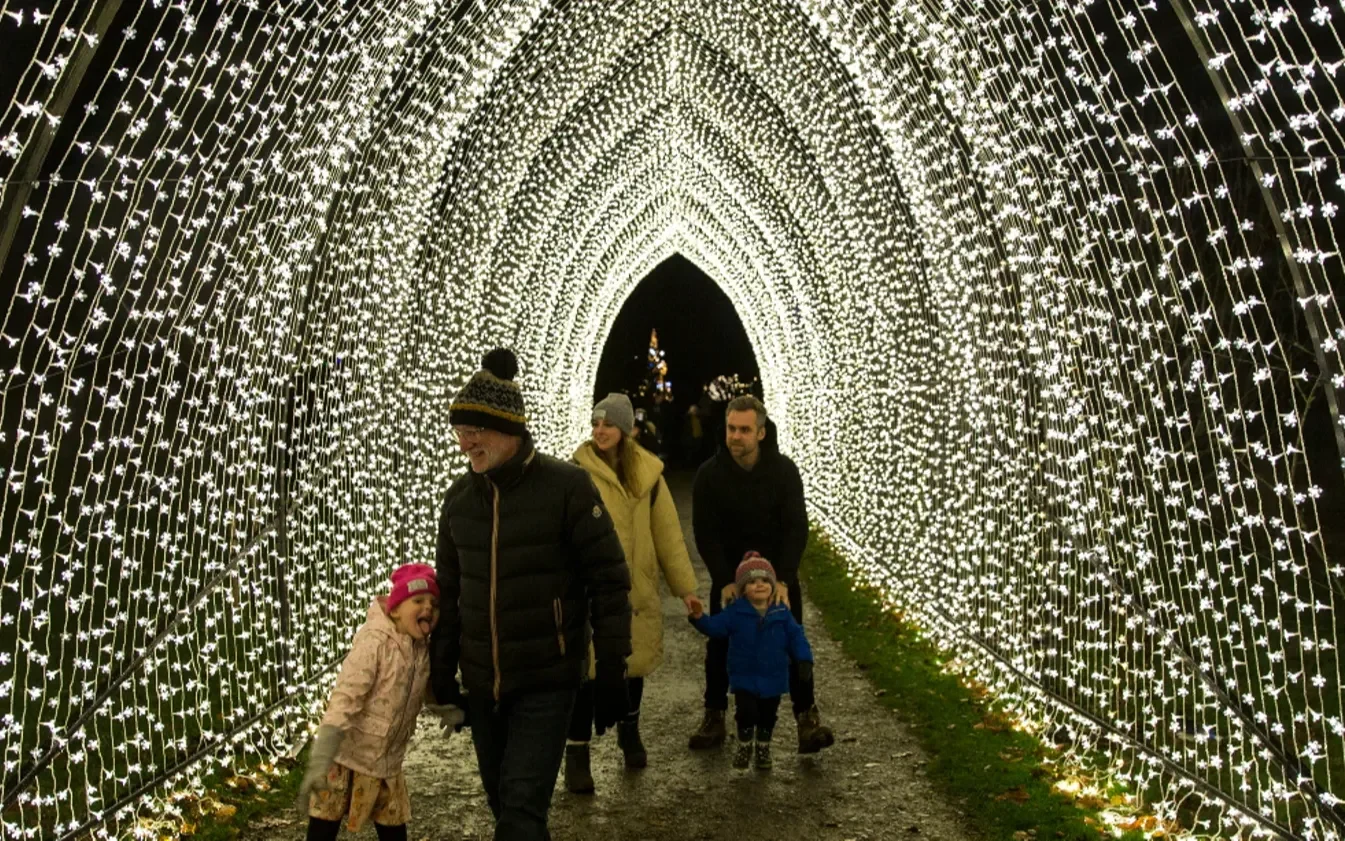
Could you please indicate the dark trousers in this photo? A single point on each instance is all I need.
(752, 712)
(320, 830)
(581, 720)
(717, 659)
(519, 746)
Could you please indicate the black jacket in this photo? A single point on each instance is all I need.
(527, 562)
(735, 510)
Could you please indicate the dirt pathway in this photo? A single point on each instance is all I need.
(870, 786)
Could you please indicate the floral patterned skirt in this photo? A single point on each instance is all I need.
(358, 798)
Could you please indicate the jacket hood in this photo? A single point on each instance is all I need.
(378, 621)
(725, 458)
(648, 468)
(743, 606)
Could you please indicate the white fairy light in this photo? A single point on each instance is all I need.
(1051, 343)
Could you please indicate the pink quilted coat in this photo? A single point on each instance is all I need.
(377, 696)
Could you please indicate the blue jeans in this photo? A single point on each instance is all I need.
(519, 747)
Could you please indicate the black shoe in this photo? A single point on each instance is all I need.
(578, 775)
(813, 734)
(628, 738)
(743, 758)
(711, 732)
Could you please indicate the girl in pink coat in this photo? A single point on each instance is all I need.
(355, 768)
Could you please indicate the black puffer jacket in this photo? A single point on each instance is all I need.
(527, 562)
(735, 510)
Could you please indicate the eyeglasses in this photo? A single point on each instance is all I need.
(468, 433)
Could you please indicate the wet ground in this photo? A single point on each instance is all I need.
(870, 787)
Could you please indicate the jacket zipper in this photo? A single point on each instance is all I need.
(559, 611)
(494, 584)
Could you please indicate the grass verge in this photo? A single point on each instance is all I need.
(1003, 778)
(257, 799)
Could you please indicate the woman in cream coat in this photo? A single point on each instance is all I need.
(630, 480)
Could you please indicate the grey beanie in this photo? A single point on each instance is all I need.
(616, 409)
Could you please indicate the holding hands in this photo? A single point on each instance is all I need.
(451, 718)
(694, 606)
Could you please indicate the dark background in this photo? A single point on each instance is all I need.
(699, 331)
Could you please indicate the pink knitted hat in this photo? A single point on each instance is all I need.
(411, 580)
(753, 566)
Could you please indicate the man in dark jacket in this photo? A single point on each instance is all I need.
(750, 498)
(529, 567)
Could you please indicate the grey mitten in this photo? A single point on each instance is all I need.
(325, 745)
(450, 717)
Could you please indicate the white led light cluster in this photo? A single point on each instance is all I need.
(1042, 295)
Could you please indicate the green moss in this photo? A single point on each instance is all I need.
(996, 774)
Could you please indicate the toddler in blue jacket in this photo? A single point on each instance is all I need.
(763, 639)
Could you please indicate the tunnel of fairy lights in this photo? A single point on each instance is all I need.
(1042, 293)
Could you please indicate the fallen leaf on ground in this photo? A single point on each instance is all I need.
(1015, 795)
(994, 722)
(272, 821)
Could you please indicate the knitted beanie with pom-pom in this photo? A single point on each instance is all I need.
(491, 399)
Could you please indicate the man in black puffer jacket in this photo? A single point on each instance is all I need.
(749, 497)
(529, 567)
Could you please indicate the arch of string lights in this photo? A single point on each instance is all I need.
(1041, 293)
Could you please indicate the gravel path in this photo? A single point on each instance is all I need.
(870, 786)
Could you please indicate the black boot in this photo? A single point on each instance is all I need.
(813, 734)
(578, 774)
(711, 732)
(743, 758)
(628, 738)
(763, 749)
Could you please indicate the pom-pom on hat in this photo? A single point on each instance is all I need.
(412, 580)
(752, 568)
(491, 398)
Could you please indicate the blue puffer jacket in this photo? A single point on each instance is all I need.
(760, 647)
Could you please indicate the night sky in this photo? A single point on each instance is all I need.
(697, 326)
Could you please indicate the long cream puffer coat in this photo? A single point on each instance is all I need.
(651, 536)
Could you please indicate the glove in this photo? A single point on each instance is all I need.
(450, 697)
(805, 671)
(325, 745)
(451, 718)
(610, 699)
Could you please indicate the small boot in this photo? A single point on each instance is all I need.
(764, 749)
(743, 758)
(711, 732)
(578, 774)
(813, 734)
(628, 738)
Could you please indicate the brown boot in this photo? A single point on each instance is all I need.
(711, 732)
(813, 734)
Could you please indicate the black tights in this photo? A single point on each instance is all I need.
(754, 713)
(320, 830)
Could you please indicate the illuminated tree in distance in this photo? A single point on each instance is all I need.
(1043, 294)
(656, 371)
